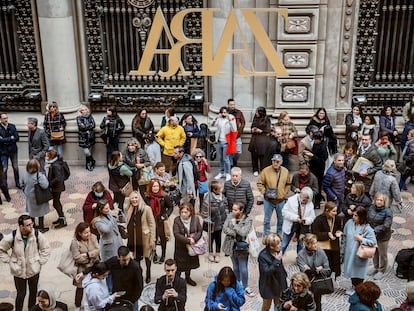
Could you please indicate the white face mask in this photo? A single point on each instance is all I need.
(98, 194)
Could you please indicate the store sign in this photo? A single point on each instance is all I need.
(211, 61)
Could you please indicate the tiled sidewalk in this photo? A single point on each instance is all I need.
(79, 185)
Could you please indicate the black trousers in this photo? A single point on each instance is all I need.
(21, 287)
(57, 204)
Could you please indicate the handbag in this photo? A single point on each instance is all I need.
(122, 231)
(322, 286)
(127, 189)
(271, 193)
(366, 251)
(57, 135)
(327, 243)
(42, 195)
(145, 175)
(254, 245)
(67, 264)
(199, 248)
(240, 248)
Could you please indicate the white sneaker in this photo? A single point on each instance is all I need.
(372, 272)
(219, 176)
(77, 308)
(255, 174)
(228, 177)
(249, 292)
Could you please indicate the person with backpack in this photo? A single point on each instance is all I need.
(30, 250)
(57, 174)
(187, 175)
(225, 292)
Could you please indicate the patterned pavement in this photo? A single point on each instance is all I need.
(79, 185)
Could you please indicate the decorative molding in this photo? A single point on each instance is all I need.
(299, 24)
(296, 59)
(295, 93)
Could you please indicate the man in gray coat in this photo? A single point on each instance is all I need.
(238, 190)
(186, 182)
(38, 142)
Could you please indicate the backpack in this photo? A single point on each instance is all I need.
(66, 170)
(36, 235)
(402, 262)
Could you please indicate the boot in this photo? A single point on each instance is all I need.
(93, 162)
(62, 223)
(148, 264)
(42, 227)
(89, 166)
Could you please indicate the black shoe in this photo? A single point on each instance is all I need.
(8, 198)
(56, 221)
(148, 279)
(161, 260)
(155, 259)
(44, 229)
(61, 225)
(190, 282)
(19, 186)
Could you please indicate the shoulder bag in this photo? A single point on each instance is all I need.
(42, 195)
(200, 247)
(322, 286)
(67, 264)
(127, 189)
(366, 251)
(60, 135)
(327, 243)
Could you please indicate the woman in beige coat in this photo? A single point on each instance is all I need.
(141, 230)
(85, 252)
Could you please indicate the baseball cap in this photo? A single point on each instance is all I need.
(277, 157)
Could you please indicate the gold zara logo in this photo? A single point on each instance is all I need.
(211, 63)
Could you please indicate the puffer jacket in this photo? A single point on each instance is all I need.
(385, 182)
(25, 262)
(242, 229)
(334, 183)
(214, 210)
(232, 298)
(380, 219)
(169, 137)
(239, 193)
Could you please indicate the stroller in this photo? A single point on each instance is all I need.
(206, 140)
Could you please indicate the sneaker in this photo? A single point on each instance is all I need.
(217, 258)
(256, 173)
(211, 258)
(372, 272)
(378, 276)
(249, 292)
(228, 177)
(219, 176)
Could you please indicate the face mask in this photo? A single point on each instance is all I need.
(98, 194)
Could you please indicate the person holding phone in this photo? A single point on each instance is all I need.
(225, 293)
(170, 289)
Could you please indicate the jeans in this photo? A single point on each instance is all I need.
(286, 240)
(15, 165)
(268, 211)
(235, 156)
(223, 158)
(21, 287)
(240, 269)
(59, 149)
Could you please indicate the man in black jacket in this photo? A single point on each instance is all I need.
(8, 148)
(38, 143)
(238, 190)
(171, 289)
(126, 274)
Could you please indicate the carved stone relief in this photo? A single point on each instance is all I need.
(299, 24)
(296, 59)
(295, 93)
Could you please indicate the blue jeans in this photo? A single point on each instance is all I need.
(15, 165)
(286, 240)
(223, 158)
(58, 148)
(240, 269)
(268, 212)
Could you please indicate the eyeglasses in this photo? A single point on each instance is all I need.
(198, 156)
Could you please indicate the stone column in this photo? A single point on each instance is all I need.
(59, 54)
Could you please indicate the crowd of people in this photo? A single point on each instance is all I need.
(156, 173)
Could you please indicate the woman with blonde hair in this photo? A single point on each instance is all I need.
(141, 230)
(272, 274)
(86, 135)
(356, 197)
(54, 125)
(297, 296)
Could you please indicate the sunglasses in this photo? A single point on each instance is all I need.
(198, 156)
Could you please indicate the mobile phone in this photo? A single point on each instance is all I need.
(121, 292)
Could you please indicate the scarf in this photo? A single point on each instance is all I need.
(50, 162)
(155, 203)
(303, 181)
(186, 223)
